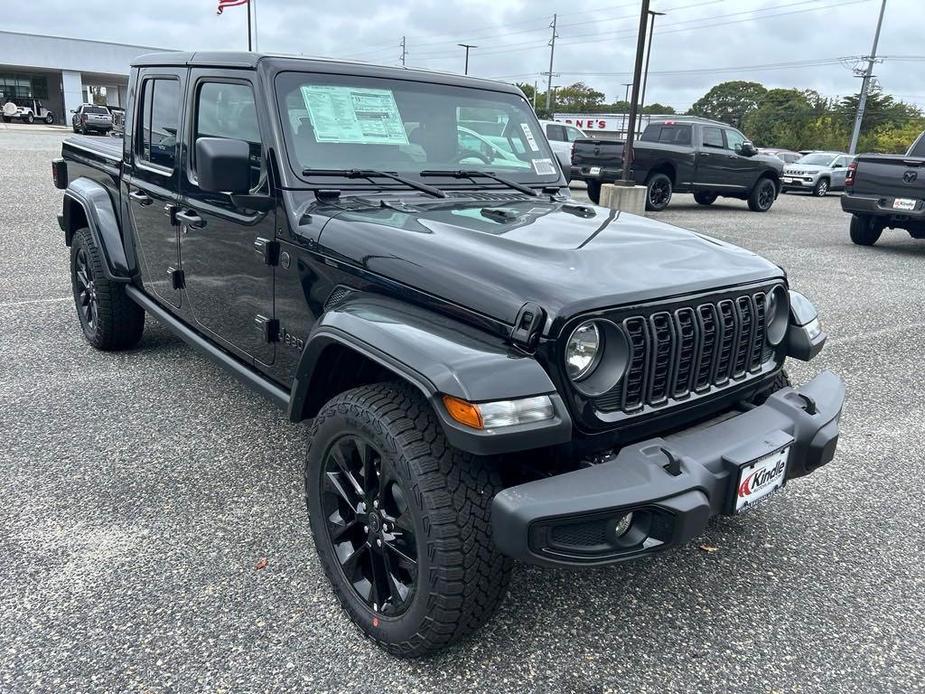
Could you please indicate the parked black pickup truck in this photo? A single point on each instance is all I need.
(886, 191)
(492, 371)
(706, 158)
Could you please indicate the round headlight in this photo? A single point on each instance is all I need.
(583, 350)
(776, 315)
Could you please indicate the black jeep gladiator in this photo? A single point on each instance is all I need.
(492, 371)
(886, 191)
(706, 158)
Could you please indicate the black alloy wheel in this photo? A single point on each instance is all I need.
(87, 302)
(370, 524)
(762, 195)
(659, 192)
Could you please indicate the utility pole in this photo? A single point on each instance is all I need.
(625, 179)
(467, 46)
(865, 83)
(535, 85)
(626, 100)
(404, 51)
(552, 53)
(645, 75)
(249, 47)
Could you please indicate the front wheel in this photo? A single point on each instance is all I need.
(110, 320)
(705, 198)
(821, 188)
(594, 191)
(658, 192)
(762, 196)
(864, 231)
(401, 521)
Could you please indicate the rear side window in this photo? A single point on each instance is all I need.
(574, 134)
(712, 137)
(225, 109)
(918, 149)
(672, 134)
(555, 132)
(160, 117)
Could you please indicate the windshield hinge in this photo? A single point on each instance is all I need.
(327, 194)
(528, 325)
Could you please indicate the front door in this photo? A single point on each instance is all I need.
(229, 280)
(743, 171)
(151, 180)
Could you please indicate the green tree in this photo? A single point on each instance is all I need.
(729, 102)
(658, 108)
(780, 119)
(880, 111)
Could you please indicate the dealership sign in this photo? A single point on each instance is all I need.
(607, 122)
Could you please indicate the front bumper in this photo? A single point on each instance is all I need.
(789, 182)
(673, 485)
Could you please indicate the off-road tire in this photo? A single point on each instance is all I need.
(781, 380)
(705, 198)
(594, 192)
(462, 577)
(7, 119)
(28, 118)
(821, 188)
(762, 196)
(119, 321)
(864, 231)
(50, 119)
(658, 182)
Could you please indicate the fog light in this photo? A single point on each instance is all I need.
(624, 523)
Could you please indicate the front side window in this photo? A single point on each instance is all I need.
(574, 134)
(713, 137)
(734, 140)
(160, 116)
(340, 123)
(225, 109)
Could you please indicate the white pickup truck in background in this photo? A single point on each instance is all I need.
(561, 136)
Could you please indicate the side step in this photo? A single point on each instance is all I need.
(242, 372)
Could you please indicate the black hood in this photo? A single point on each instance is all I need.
(493, 256)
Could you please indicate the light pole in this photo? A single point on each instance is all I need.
(467, 46)
(625, 179)
(645, 75)
(862, 101)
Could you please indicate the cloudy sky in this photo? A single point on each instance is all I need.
(789, 43)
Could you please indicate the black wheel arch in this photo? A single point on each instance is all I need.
(366, 339)
(87, 204)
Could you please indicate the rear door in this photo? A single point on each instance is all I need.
(151, 178)
(839, 170)
(229, 280)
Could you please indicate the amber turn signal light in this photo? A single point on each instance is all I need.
(463, 412)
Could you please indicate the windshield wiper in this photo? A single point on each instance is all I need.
(483, 174)
(372, 173)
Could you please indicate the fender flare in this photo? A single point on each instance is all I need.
(437, 355)
(97, 206)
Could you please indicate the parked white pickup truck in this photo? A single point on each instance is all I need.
(561, 137)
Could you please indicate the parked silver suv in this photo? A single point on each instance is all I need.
(817, 172)
(90, 118)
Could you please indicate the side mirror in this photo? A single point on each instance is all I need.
(748, 149)
(223, 165)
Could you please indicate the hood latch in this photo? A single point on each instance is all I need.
(528, 325)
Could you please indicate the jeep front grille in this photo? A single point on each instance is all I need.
(689, 348)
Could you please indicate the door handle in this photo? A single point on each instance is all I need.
(190, 218)
(140, 198)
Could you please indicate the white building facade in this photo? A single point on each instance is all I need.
(63, 73)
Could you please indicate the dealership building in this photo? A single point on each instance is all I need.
(63, 73)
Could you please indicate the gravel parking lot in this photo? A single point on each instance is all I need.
(141, 489)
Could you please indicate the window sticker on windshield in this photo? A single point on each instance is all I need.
(354, 115)
(529, 135)
(543, 167)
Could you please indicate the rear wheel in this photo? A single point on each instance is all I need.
(864, 231)
(762, 196)
(594, 192)
(705, 198)
(28, 118)
(110, 320)
(821, 188)
(401, 521)
(658, 192)
(49, 118)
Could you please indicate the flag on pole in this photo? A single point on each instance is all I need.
(222, 4)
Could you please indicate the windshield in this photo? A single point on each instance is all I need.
(817, 159)
(349, 122)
